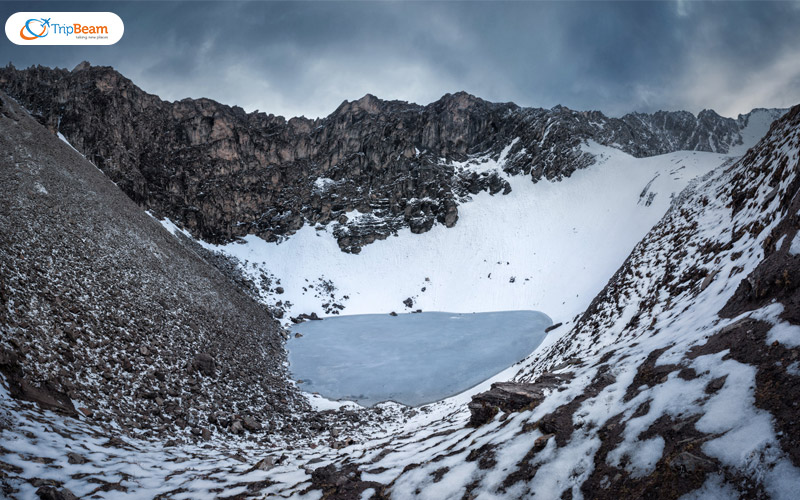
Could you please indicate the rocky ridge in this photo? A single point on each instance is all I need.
(368, 169)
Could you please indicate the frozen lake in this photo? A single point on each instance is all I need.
(413, 359)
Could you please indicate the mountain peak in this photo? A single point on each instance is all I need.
(368, 103)
(82, 66)
(709, 115)
(460, 100)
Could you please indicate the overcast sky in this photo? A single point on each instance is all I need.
(305, 58)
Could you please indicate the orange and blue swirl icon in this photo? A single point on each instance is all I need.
(34, 28)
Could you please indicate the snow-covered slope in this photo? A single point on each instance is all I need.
(548, 246)
(755, 126)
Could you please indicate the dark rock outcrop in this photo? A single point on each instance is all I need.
(512, 396)
(343, 483)
(53, 493)
(45, 394)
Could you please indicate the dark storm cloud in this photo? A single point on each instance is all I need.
(307, 57)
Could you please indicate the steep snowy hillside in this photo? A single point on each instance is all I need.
(549, 246)
(103, 314)
(754, 126)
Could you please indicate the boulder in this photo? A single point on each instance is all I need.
(76, 459)
(205, 364)
(689, 463)
(552, 327)
(251, 424)
(511, 397)
(46, 396)
(53, 493)
(264, 464)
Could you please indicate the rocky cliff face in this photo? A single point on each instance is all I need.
(222, 173)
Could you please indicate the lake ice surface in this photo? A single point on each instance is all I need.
(412, 359)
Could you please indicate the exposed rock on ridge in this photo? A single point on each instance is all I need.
(369, 169)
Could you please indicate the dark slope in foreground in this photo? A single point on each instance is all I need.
(98, 302)
(222, 173)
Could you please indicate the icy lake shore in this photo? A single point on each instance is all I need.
(412, 359)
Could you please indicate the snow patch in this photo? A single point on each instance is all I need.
(319, 403)
(784, 333)
(61, 136)
(795, 248)
(323, 183)
(780, 242)
(714, 488)
(758, 125)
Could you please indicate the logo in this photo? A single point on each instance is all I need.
(28, 34)
(64, 28)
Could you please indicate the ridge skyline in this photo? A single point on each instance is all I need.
(88, 65)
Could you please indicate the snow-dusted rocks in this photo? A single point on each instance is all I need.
(102, 308)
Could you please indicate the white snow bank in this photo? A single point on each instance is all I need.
(549, 246)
